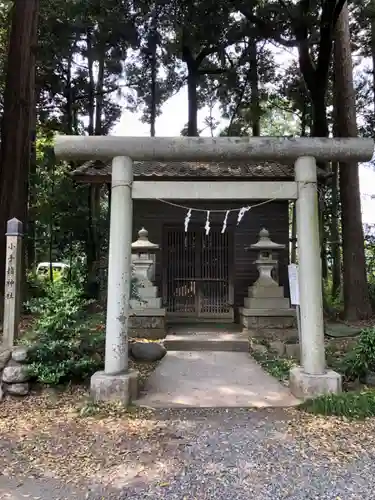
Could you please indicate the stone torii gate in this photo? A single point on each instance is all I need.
(311, 378)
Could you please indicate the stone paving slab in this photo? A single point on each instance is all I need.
(213, 379)
(210, 341)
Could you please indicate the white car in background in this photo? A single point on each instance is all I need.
(44, 267)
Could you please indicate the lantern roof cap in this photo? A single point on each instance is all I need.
(143, 244)
(265, 242)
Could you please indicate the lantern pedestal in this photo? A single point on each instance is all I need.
(147, 318)
(266, 306)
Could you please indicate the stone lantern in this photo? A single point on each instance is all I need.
(147, 315)
(267, 260)
(143, 256)
(266, 305)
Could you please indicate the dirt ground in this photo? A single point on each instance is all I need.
(57, 445)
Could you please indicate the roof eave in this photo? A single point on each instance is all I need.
(105, 179)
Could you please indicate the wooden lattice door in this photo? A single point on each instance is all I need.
(196, 273)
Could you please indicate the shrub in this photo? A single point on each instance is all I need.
(65, 342)
(37, 286)
(358, 362)
(64, 345)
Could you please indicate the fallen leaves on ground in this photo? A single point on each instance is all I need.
(48, 435)
(63, 434)
(336, 439)
(144, 370)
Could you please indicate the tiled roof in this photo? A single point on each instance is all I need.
(94, 171)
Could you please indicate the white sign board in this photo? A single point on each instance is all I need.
(293, 284)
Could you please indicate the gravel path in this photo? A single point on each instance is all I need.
(230, 455)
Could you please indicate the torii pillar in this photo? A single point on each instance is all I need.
(311, 378)
(117, 382)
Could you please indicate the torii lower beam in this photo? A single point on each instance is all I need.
(214, 190)
(312, 378)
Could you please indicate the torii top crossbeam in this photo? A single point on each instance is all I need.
(214, 149)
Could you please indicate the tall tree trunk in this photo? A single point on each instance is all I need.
(90, 63)
(356, 294)
(153, 98)
(335, 211)
(319, 118)
(91, 240)
(99, 99)
(69, 101)
(15, 129)
(153, 44)
(31, 236)
(304, 118)
(192, 82)
(335, 233)
(30, 254)
(96, 100)
(323, 230)
(254, 86)
(319, 128)
(51, 228)
(293, 257)
(193, 64)
(372, 20)
(316, 84)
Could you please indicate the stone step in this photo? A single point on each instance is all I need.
(216, 342)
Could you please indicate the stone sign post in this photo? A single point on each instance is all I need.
(12, 297)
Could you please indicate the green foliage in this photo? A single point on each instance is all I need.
(66, 340)
(278, 368)
(64, 343)
(38, 285)
(60, 213)
(332, 305)
(352, 405)
(59, 309)
(358, 362)
(35, 287)
(274, 365)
